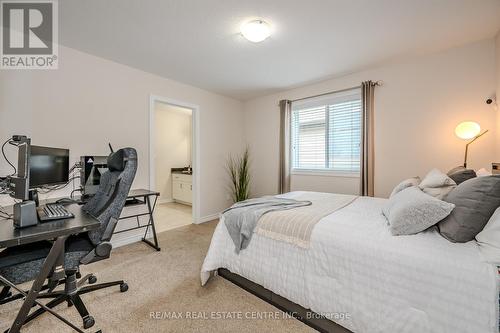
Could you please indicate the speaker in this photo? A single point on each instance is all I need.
(25, 214)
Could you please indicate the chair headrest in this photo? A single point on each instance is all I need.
(116, 160)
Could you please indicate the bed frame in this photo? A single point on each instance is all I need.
(313, 320)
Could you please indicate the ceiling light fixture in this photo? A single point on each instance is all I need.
(256, 31)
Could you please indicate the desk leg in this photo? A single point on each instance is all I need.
(48, 265)
(151, 223)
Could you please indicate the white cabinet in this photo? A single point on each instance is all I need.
(182, 188)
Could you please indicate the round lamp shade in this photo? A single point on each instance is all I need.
(467, 130)
(256, 30)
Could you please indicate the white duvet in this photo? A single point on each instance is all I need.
(367, 280)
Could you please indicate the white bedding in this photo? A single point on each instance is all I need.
(378, 282)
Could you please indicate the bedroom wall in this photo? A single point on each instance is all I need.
(172, 146)
(90, 101)
(498, 94)
(417, 109)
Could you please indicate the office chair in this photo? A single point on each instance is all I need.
(22, 263)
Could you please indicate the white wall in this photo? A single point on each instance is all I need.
(497, 58)
(417, 109)
(90, 101)
(172, 145)
(325, 183)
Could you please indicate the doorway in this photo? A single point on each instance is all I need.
(173, 162)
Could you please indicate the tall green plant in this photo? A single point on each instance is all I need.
(239, 173)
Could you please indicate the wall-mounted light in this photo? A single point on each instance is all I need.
(492, 102)
(256, 31)
(469, 130)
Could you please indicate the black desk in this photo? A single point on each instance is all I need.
(54, 230)
(10, 236)
(143, 197)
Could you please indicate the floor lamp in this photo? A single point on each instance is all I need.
(469, 130)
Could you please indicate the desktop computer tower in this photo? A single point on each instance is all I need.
(92, 169)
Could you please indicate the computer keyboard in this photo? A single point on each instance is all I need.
(52, 212)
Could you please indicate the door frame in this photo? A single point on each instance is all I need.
(195, 152)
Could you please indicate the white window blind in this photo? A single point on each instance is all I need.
(326, 133)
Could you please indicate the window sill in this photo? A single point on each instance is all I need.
(325, 173)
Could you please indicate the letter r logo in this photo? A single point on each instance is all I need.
(27, 28)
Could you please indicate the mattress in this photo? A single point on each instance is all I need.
(363, 278)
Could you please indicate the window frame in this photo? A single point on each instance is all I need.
(324, 172)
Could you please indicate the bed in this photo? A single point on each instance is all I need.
(358, 275)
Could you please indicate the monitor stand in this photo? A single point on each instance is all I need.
(33, 196)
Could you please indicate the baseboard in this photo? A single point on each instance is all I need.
(129, 239)
(133, 237)
(207, 218)
(164, 201)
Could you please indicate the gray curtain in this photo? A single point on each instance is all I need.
(367, 144)
(285, 126)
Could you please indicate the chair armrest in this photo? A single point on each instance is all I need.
(110, 229)
(103, 249)
(100, 252)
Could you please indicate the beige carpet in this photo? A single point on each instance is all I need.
(166, 282)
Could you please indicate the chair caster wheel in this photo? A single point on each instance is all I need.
(123, 287)
(78, 275)
(92, 279)
(70, 304)
(88, 322)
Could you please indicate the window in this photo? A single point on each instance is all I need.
(326, 133)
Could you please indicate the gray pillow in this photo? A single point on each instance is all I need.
(461, 174)
(437, 184)
(412, 211)
(476, 200)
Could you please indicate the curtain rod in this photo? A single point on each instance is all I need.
(376, 83)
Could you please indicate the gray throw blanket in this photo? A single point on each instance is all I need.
(242, 217)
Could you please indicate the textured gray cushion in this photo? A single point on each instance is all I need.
(116, 161)
(476, 200)
(22, 263)
(112, 193)
(461, 174)
(412, 211)
(414, 181)
(437, 184)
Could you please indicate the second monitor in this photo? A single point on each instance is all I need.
(48, 166)
(92, 169)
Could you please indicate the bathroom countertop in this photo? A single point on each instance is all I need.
(183, 171)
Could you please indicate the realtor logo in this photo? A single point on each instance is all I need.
(29, 35)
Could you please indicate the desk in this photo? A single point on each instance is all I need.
(137, 197)
(58, 231)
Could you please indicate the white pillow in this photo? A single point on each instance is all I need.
(483, 173)
(412, 211)
(413, 181)
(437, 184)
(489, 239)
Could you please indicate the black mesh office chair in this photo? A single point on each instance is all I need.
(22, 263)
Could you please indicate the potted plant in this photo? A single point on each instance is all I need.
(239, 173)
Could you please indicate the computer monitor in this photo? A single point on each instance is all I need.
(48, 166)
(93, 167)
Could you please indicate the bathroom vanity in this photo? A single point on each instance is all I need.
(182, 185)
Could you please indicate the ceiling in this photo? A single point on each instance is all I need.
(197, 42)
